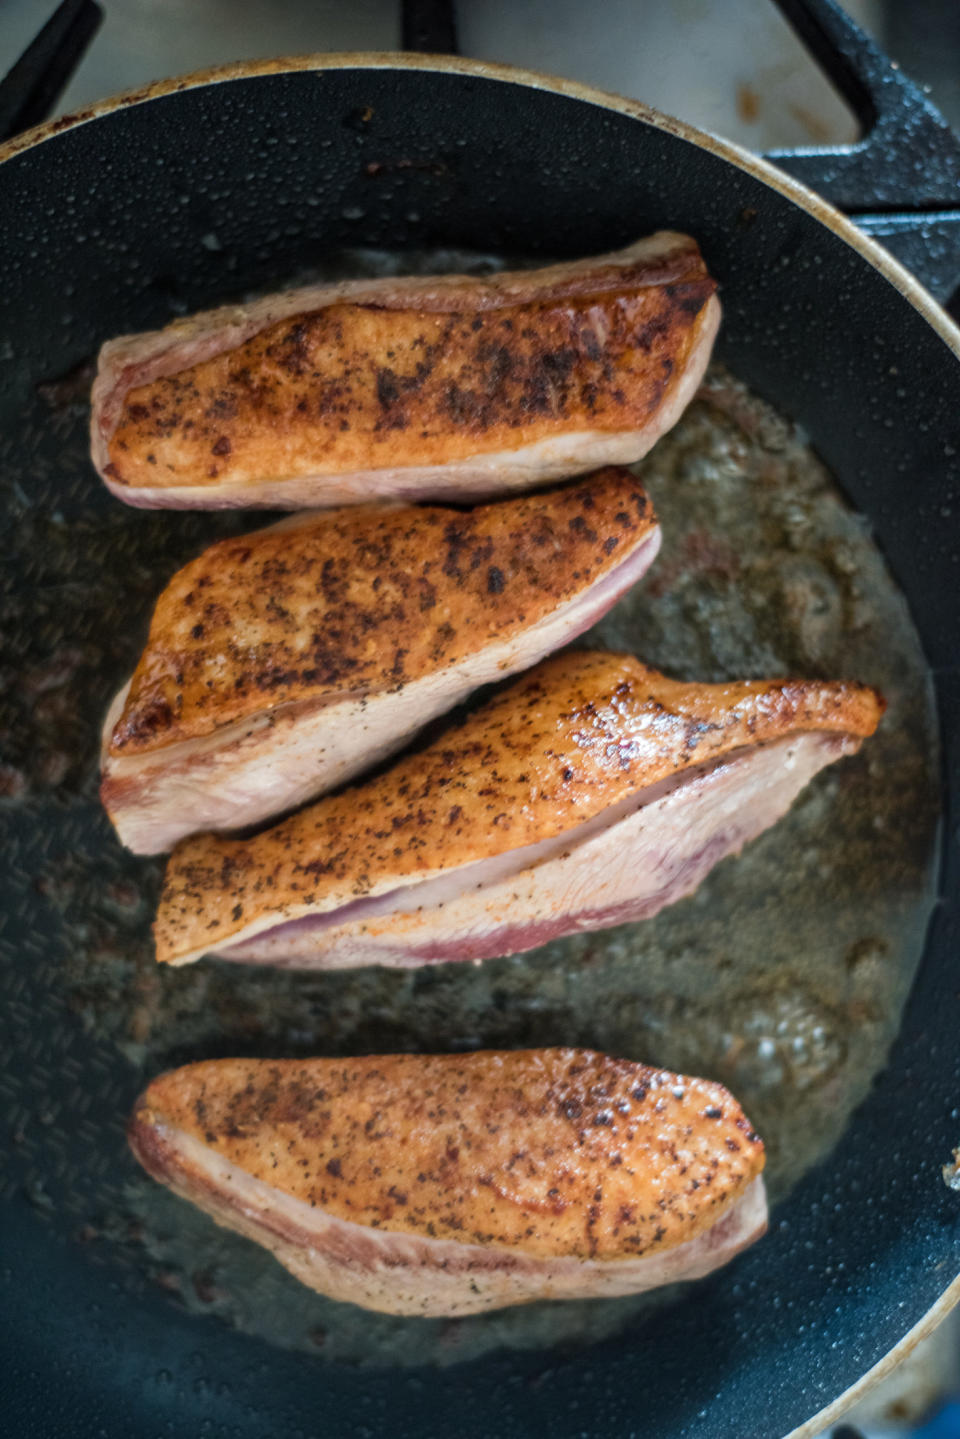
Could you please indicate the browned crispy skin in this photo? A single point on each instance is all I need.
(468, 371)
(556, 1152)
(365, 599)
(574, 736)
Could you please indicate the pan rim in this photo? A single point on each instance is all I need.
(761, 169)
(317, 62)
(924, 1327)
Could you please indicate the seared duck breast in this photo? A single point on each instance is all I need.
(451, 1184)
(280, 664)
(589, 792)
(436, 387)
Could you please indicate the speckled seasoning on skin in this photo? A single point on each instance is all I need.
(451, 1184)
(430, 388)
(580, 734)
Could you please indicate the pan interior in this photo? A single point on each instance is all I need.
(784, 976)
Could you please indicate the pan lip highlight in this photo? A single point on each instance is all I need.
(834, 220)
(924, 1327)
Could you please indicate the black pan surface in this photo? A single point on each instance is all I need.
(105, 227)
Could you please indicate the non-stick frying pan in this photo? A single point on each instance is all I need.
(195, 190)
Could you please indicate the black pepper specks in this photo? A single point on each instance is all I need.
(358, 600)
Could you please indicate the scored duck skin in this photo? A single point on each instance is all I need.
(432, 387)
(452, 1184)
(280, 664)
(589, 792)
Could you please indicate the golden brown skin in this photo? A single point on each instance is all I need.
(366, 599)
(554, 1152)
(575, 735)
(477, 367)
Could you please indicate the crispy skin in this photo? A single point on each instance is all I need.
(364, 600)
(410, 380)
(281, 665)
(545, 1153)
(575, 736)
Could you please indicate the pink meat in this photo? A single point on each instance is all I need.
(625, 864)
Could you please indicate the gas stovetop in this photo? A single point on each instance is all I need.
(730, 66)
(739, 70)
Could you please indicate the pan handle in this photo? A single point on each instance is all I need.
(901, 182)
(31, 88)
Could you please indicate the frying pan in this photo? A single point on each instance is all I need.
(189, 192)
